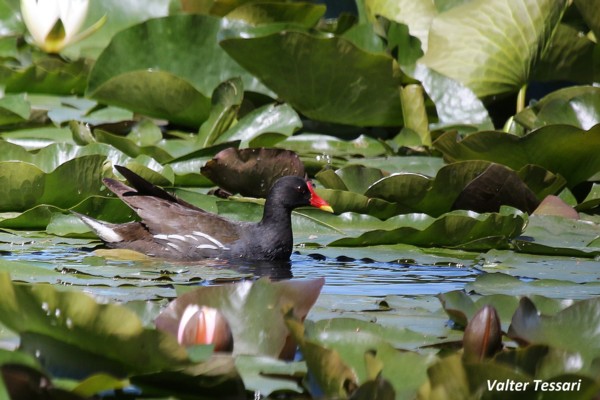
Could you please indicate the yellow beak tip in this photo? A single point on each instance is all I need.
(326, 208)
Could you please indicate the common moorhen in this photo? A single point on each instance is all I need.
(174, 229)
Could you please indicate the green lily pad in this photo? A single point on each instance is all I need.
(44, 216)
(106, 335)
(474, 185)
(336, 89)
(577, 106)
(332, 376)
(49, 75)
(225, 103)
(156, 93)
(10, 20)
(279, 119)
(569, 57)
(264, 12)
(457, 229)
(268, 375)
(590, 14)
(355, 340)
(561, 149)
(592, 200)
(142, 68)
(26, 185)
(326, 147)
(14, 109)
(129, 147)
(461, 308)
(455, 103)
(49, 158)
(499, 283)
(119, 15)
(575, 236)
(507, 48)
(416, 14)
(578, 323)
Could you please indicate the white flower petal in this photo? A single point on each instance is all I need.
(72, 15)
(39, 17)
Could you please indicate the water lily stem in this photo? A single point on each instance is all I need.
(521, 98)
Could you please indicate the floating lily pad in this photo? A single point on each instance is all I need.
(456, 229)
(44, 216)
(129, 147)
(499, 283)
(592, 200)
(25, 185)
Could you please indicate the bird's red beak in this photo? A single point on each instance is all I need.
(317, 201)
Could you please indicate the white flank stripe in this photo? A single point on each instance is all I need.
(178, 237)
(173, 245)
(161, 236)
(192, 237)
(210, 238)
(105, 232)
(207, 246)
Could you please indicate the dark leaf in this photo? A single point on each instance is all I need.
(251, 172)
(495, 187)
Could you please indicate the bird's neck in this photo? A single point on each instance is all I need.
(275, 213)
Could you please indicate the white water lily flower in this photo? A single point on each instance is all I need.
(54, 24)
